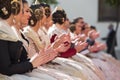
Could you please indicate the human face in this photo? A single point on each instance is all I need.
(87, 29)
(26, 15)
(79, 25)
(67, 23)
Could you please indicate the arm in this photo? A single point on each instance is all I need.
(6, 65)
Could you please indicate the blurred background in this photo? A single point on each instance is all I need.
(100, 13)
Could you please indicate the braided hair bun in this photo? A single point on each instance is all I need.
(37, 14)
(59, 16)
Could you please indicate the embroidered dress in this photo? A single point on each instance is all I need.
(35, 42)
(42, 32)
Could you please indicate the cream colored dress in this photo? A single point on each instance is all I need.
(107, 64)
(42, 32)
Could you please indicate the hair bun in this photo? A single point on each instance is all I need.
(15, 5)
(5, 9)
(59, 16)
(37, 14)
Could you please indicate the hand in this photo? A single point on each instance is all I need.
(63, 47)
(65, 38)
(93, 48)
(82, 37)
(80, 46)
(51, 52)
(38, 60)
(101, 46)
(62, 39)
(94, 34)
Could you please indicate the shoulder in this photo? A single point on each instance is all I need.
(11, 45)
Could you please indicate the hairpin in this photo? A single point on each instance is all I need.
(4, 10)
(31, 10)
(46, 8)
(14, 1)
(32, 22)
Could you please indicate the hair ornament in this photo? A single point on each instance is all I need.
(14, 1)
(32, 22)
(4, 10)
(46, 8)
(31, 10)
(37, 2)
(38, 13)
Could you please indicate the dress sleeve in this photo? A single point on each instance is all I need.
(6, 65)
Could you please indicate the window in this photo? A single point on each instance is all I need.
(106, 12)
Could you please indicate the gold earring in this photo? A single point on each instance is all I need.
(4, 10)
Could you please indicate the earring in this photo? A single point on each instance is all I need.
(14, 22)
(4, 10)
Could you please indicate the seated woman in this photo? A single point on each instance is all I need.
(42, 32)
(10, 47)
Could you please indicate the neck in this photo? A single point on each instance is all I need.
(10, 20)
(36, 27)
(61, 26)
(17, 27)
(77, 33)
(46, 28)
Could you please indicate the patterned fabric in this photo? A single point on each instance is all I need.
(42, 32)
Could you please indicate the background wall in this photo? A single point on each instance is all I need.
(89, 11)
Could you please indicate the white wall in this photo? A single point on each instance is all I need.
(88, 9)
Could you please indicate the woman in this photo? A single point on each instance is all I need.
(48, 23)
(10, 62)
(43, 30)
